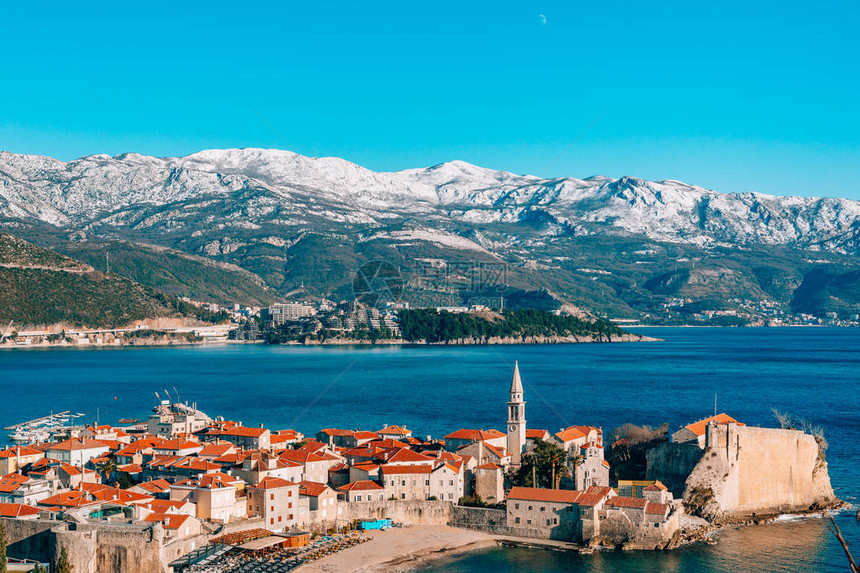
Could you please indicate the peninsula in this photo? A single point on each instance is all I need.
(182, 490)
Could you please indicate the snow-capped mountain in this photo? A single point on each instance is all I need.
(257, 183)
(625, 246)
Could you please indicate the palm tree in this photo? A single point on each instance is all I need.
(557, 459)
(530, 458)
(106, 468)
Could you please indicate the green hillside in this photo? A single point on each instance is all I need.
(40, 287)
(174, 272)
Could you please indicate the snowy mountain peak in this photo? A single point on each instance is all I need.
(250, 188)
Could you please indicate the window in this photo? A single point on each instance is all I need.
(290, 505)
(358, 498)
(555, 521)
(273, 508)
(403, 483)
(402, 496)
(542, 508)
(279, 519)
(290, 493)
(516, 520)
(272, 521)
(290, 516)
(530, 508)
(529, 521)
(547, 521)
(516, 506)
(427, 482)
(272, 496)
(450, 482)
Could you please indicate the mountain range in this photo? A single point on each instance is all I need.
(622, 247)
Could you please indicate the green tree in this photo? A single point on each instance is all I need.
(106, 468)
(63, 565)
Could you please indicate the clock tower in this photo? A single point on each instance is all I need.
(516, 419)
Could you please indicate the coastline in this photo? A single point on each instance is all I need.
(411, 548)
(403, 549)
(507, 341)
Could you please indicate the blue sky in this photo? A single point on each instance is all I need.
(734, 96)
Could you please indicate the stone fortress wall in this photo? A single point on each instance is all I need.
(747, 471)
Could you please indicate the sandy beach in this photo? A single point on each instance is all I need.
(401, 549)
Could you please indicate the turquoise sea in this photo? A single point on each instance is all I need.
(812, 372)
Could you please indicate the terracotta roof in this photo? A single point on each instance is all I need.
(395, 470)
(75, 444)
(548, 495)
(536, 434)
(490, 466)
(405, 455)
(20, 451)
(130, 468)
(656, 486)
(575, 433)
(336, 432)
(312, 488)
(168, 520)
(216, 449)
(698, 428)
(272, 483)
(155, 486)
(17, 510)
(656, 508)
(74, 498)
(244, 431)
(165, 505)
(394, 431)
(11, 482)
(474, 435)
(500, 452)
(362, 435)
(361, 485)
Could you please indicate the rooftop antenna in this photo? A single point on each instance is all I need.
(715, 404)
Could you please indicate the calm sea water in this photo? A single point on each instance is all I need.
(812, 372)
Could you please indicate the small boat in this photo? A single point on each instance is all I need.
(128, 421)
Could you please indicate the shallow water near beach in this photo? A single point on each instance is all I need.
(812, 372)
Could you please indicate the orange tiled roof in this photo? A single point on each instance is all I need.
(656, 486)
(489, 466)
(17, 510)
(475, 435)
(547, 495)
(656, 508)
(536, 434)
(74, 444)
(11, 482)
(405, 455)
(575, 433)
(312, 488)
(394, 431)
(395, 470)
(272, 483)
(20, 451)
(361, 485)
(155, 486)
(698, 428)
(168, 520)
(246, 432)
